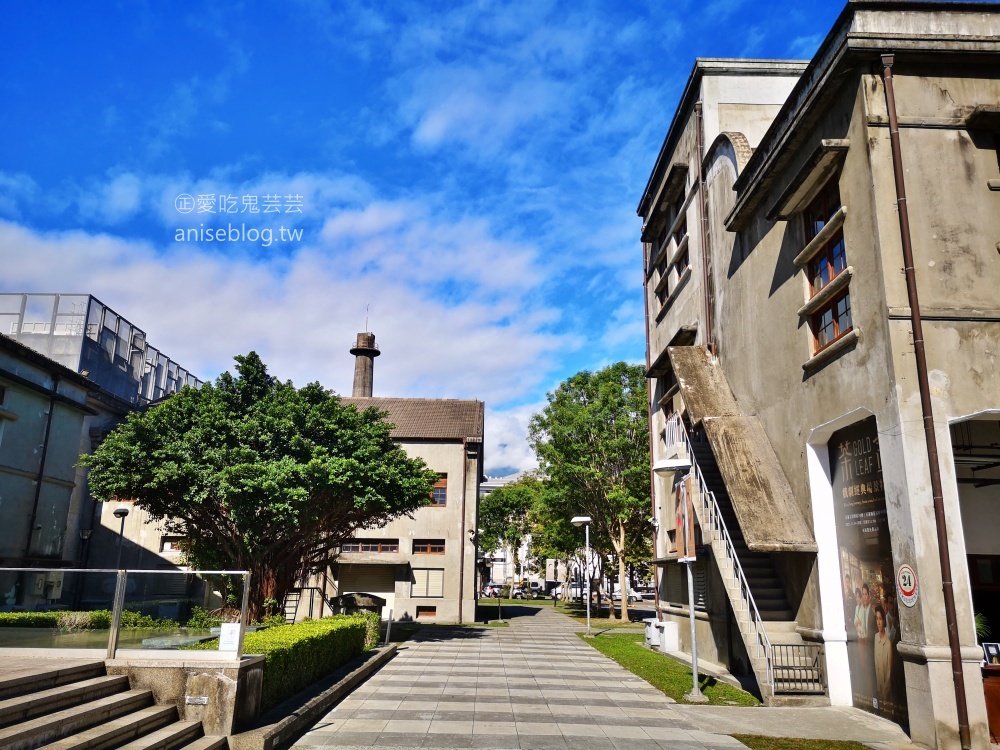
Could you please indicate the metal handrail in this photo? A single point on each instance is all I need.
(675, 433)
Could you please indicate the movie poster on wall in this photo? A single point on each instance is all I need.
(871, 611)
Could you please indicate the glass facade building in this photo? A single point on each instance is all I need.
(85, 335)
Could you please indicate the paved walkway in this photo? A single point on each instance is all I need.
(533, 685)
(536, 685)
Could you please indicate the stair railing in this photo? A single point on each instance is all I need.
(716, 526)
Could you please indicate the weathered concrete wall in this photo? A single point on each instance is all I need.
(224, 696)
(438, 522)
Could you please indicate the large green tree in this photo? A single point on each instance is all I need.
(591, 440)
(503, 515)
(260, 475)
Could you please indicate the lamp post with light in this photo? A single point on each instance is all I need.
(585, 522)
(667, 467)
(120, 512)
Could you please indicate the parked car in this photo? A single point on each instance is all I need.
(633, 596)
(492, 590)
(520, 592)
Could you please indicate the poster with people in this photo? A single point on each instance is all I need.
(871, 612)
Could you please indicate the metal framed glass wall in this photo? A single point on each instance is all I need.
(81, 333)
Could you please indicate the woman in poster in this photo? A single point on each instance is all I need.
(884, 652)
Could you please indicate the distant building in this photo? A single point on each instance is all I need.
(498, 565)
(425, 566)
(782, 361)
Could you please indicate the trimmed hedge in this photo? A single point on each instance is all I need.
(295, 656)
(29, 619)
(99, 619)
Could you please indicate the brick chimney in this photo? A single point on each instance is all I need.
(364, 352)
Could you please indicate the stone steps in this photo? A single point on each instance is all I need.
(23, 707)
(82, 708)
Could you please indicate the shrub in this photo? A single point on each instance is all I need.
(30, 619)
(202, 619)
(273, 621)
(99, 619)
(373, 625)
(295, 656)
(138, 620)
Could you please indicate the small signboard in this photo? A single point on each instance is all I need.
(229, 638)
(992, 653)
(906, 585)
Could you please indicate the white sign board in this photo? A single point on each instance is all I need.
(229, 638)
(906, 585)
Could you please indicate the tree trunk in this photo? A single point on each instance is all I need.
(622, 575)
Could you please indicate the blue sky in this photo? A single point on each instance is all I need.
(468, 173)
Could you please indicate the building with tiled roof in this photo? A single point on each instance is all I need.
(424, 566)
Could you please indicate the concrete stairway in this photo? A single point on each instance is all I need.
(83, 708)
(797, 669)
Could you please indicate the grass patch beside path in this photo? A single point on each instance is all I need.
(760, 742)
(664, 673)
(604, 621)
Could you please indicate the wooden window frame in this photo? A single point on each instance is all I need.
(440, 484)
(838, 331)
(816, 215)
(428, 546)
(682, 263)
(830, 259)
(425, 611)
(378, 546)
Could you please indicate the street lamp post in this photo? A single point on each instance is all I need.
(668, 467)
(120, 512)
(585, 522)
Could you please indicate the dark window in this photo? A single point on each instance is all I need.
(683, 262)
(370, 545)
(681, 231)
(833, 320)
(831, 259)
(439, 495)
(428, 546)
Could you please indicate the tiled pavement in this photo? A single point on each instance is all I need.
(533, 685)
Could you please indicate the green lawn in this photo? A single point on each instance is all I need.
(664, 673)
(759, 742)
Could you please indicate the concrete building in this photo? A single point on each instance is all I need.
(424, 566)
(784, 368)
(70, 370)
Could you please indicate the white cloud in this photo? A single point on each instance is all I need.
(506, 448)
(301, 313)
(16, 190)
(116, 200)
(804, 47)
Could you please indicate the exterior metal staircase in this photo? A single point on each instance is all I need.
(83, 708)
(787, 668)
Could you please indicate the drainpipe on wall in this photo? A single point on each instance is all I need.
(928, 416)
(41, 465)
(703, 209)
(461, 537)
(649, 421)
